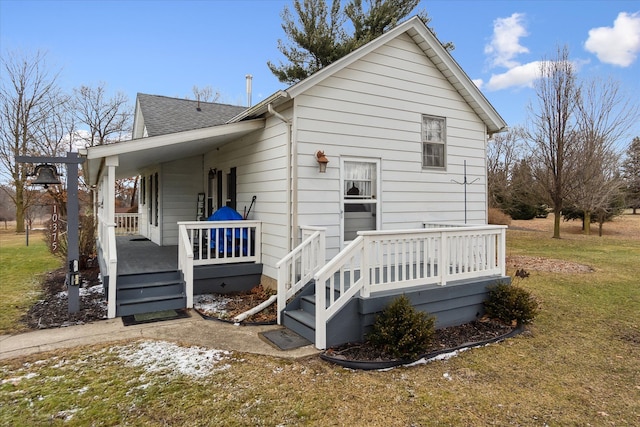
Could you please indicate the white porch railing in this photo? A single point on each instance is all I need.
(127, 224)
(383, 260)
(107, 242)
(216, 242)
(298, 267)
(185, 262)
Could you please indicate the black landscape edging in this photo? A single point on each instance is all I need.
(386, 364)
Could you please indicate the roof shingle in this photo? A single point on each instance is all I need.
(164, 115)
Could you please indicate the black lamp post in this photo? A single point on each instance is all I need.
(47, 175)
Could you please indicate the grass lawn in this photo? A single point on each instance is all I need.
(21, 267)
(578, 365)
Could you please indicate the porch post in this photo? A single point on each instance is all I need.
(109, 215)
(110, 196)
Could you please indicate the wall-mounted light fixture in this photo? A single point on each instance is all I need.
(322, 161)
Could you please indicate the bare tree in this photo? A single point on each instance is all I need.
(205, 94)
(551, 133)
(29, 95)
(108, 119)
(604, 116)
(503, 152)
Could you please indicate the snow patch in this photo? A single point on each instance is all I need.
(212, 305)
(156, 356)
(16, 380)
(93, 291)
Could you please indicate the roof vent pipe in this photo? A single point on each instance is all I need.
(249, 78)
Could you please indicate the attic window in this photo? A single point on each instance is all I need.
(433, 142)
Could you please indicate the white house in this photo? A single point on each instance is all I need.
(400, 124)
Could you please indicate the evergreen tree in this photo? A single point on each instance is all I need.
(631, 175)
(318, 36)
(318, 39)
(523, 202)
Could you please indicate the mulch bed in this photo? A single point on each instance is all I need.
(444, 340)
(227, 306)
(52, 311)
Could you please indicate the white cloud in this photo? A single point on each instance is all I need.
(617, 45)
(518, 76)
(478, 82)
(505, 43)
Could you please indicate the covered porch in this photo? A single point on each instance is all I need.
(140, 276)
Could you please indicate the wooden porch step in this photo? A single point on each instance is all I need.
(142, 284)
(146, 300)
(303, 317)
(145, 293)
(301, 322)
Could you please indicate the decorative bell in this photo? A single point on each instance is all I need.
(46, 175)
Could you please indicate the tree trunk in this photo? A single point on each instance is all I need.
(587, 223)
(19, 209)
(556, 223)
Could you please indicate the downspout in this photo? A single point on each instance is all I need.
(292, 181)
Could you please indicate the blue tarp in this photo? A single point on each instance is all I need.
(226, 213)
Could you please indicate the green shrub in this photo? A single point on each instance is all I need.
(401, 330)
(509, 303)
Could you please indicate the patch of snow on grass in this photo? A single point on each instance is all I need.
(156, 356)
(16, 380)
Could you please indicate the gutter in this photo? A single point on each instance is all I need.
(292, 179)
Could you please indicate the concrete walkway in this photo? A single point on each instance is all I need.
(193, 331)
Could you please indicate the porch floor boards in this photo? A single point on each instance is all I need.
(136, 255)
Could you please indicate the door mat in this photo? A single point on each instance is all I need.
(156, 316)
(284, 339)
(139, 239)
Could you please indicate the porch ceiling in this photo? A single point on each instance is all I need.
(136, 154)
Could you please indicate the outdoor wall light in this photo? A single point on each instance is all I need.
(322, 161)
(46, 175)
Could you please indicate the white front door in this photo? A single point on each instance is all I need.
(360, 201)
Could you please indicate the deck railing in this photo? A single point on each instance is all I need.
(127, 224)
(379, 261)
(107, 241)
(224, 242)
(185, 262)
(298, 267)
(216, 242)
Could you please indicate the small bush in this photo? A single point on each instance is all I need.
(401, 330)
(497, 217)
(509, 303)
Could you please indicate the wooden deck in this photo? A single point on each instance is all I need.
(138, 255)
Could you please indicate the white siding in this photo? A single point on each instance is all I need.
(180, 183)
(373, 108)
(260, 160)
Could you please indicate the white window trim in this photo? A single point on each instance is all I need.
(423, 143)
(378, 197)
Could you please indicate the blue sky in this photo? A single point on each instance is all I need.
(167, 47)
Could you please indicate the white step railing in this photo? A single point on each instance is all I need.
(298, 267)
(107, 242)
(127, 224)
(185, 262)
(379, 261)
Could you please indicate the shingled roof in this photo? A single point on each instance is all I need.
(164, 115)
